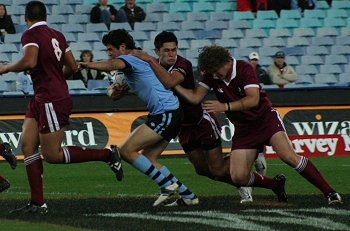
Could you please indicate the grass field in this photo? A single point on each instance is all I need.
(87, 197)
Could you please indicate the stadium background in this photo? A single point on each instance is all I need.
(315, 111)
(316, 39)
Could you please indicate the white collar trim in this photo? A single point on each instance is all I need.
(234, 72)
(38, 24)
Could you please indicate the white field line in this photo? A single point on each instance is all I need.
(321, 220)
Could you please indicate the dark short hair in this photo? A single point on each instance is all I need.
(35, 11)
(118, 37)
(211, 58)
(164, 37)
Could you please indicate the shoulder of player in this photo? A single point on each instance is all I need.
(243, 65)
(181, 61)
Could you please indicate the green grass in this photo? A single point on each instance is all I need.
(94, 179)
(76, 191)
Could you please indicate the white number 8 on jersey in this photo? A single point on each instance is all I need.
(58, 51)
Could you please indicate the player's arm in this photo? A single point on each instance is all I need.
(251, 100)
(29, 60)
(105, 65)
(194, 96)
(169, 80)
(70, 65)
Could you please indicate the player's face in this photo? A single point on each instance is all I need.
(167, 53)
(224, 72)
(113, 52)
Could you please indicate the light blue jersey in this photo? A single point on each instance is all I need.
(142, 80)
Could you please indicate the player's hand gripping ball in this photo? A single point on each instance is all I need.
(117, 90)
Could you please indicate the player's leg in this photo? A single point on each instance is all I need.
(34, 167)
(53, 118)
(138, 140)
(241, 161)
(199, 162)
(260, 167)
(187, 196)
(219, 166)
(208, 134)
(282, 146)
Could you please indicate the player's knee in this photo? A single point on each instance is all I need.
(52, 159)
(128, 154)
(239, 179)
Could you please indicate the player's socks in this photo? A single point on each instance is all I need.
(257, 180)
(306, 169)
(75, 154)
(145, 166)
(183, 190)
(34, 167)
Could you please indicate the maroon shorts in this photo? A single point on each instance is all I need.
(258, 133)
(205, 134)
(50, 116)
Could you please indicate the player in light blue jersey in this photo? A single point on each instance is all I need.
(144, 145)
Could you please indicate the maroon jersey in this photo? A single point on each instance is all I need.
(243, 77)
(48, 80)
(192, 113)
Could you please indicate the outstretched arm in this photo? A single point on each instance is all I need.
(194, 96)
(105, 65)
(70, 65)
(169, 80)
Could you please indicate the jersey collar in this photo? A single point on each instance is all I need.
(234, 72)
(38, 24)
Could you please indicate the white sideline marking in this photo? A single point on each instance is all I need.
(244, 221)
(230, 223)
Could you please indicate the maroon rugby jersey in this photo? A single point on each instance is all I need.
(243, 76)
(48, 80)
(192, 113)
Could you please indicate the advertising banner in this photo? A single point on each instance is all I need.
(313, 131)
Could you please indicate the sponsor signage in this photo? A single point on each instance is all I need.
(314, 131)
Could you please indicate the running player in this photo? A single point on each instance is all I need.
(48, 58)
(200, 131)
(145, 144)
(246, 105)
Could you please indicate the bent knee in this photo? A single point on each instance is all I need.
(239, 179)
(53, 158)
(27, 150)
